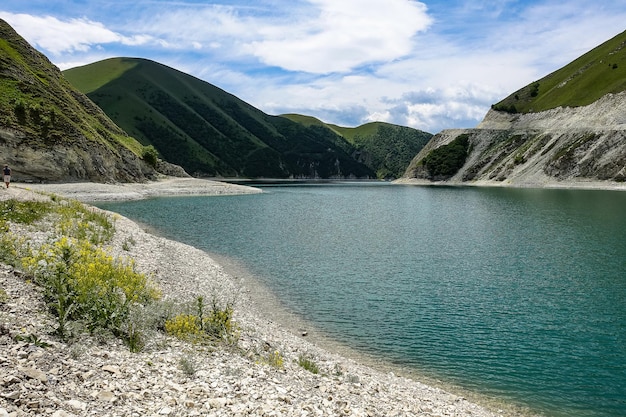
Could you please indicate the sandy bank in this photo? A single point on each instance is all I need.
(89, 191)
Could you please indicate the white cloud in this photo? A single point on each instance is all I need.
(343, 35)
(72, 35)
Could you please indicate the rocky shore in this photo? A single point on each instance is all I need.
(93, 376)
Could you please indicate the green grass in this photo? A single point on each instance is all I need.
(598, 72)
(25, 212)
(91, 77)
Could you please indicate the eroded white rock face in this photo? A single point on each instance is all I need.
(563, 147)
(608, 113)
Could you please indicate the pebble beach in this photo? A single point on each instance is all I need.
(170, 377)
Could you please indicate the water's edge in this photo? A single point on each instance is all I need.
(267, 303)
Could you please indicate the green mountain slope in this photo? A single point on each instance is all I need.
(386, 148)
(583, 81)
(49, 130)
(208, 131)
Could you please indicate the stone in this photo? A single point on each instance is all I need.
(13, 395)
(77, 405)
(111, 369)
(34, 374)
(106, 396)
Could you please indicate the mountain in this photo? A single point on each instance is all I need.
(208, 131)
(385, 148)
(569, 128)
(597, 73)
(49, 131)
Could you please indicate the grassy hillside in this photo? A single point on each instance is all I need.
(208, 131)
(385, 148)
(581, 82)
(43, 112)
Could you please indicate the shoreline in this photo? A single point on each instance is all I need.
(548, 185)
(267, 303)
(167, 187)
(258, 307)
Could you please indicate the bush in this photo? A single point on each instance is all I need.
(201, 325)
(150, 155)
(273, 359)
(82, 282)
(445, 161)
(184, 327)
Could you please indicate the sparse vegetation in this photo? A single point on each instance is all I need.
(202, 326)
(308, 364)
(85, 288)
(274, 359)
(24, 212)
(187, 365)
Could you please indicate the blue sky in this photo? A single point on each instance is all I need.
(427, 64)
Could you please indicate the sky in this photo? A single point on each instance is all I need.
(431, 64)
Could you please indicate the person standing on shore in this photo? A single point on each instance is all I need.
(7, 175)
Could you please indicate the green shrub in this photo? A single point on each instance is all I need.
(273, 359)
(150, 155)
(201, 325)
(82, 282)
(187, 365)
(445, 161)
(184, 327)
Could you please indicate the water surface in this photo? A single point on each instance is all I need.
(515, 293)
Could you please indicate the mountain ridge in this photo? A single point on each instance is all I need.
(209, 131)
(562, 145)
(588, 78)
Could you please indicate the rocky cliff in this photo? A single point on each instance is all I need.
(557, 147)
(49, 131)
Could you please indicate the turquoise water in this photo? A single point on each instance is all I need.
(514, 293)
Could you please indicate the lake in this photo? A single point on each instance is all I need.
(517, 294)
